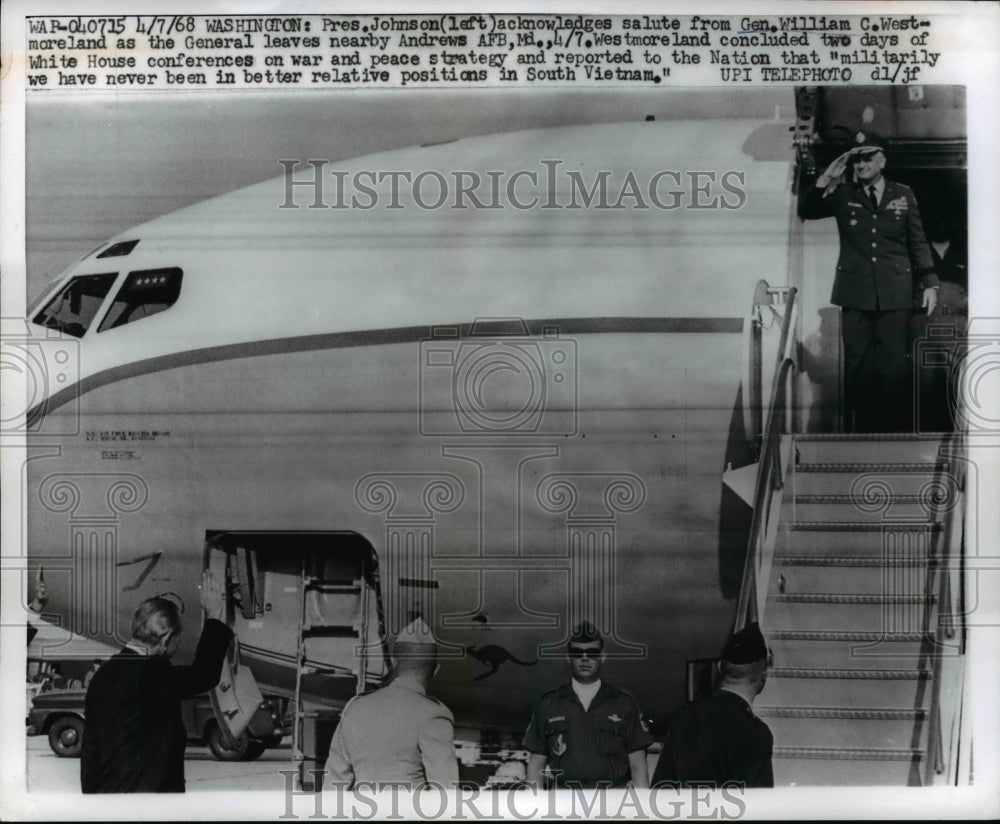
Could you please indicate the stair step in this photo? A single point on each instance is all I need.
(848, 612)
(840, 650)
(866, 480)
(871, 467)
(851, 539)
(851, 674)
(906, 448)
(826, 728)
(877, 689)
(818, 766)
(833, 508)
(844, 713)
(864, 526)
(793, 574)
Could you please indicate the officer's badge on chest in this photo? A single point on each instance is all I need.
(898, 206)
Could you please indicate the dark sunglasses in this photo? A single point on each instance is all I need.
(581, 652)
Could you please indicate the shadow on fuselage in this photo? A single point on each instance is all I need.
(734, 514)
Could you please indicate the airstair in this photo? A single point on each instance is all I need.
(855, 572)
(334, 642)
(858, 609)
(306, 610)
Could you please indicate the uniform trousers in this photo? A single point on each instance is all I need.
(877, 383)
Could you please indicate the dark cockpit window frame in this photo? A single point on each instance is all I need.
(144, 293)
(120, 249)
(81, 314)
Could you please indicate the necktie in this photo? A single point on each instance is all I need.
(873, 197)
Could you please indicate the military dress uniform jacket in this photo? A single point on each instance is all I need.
(134, 737)
(587, 748)
(882, 252)
(716, 740)
(395, 734)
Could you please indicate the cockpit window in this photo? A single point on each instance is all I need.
(144, 293)
(119, 249)
(73, 308)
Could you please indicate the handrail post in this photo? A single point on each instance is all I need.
(945, 756)
(769, 465)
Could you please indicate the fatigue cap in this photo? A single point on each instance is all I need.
(746, 646)
(585, 633)
(415, 640)
(868, 143)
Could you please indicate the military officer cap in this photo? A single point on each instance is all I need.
(746, 646)
(585, 633)
(868, 143)
(415, 640)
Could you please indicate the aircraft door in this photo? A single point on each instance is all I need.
(239, 706)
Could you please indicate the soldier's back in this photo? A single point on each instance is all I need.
(717, 740)
(389, 735)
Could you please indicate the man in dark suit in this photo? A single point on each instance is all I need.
(719, 740)
(883, 252)
(134, 737)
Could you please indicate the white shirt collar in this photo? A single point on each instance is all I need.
(879, 188)
(586, 692)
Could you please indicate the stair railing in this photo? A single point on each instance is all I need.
(949, 744)
(771, 468)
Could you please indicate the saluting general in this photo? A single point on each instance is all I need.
(884, 256)
(398, 733)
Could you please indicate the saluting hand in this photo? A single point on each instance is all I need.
(834, 171)
(213, 598)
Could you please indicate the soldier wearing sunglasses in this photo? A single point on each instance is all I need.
(589, 733)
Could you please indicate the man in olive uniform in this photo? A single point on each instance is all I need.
(883, 251)
(719, 739)
(397, 734)
(589, 733)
